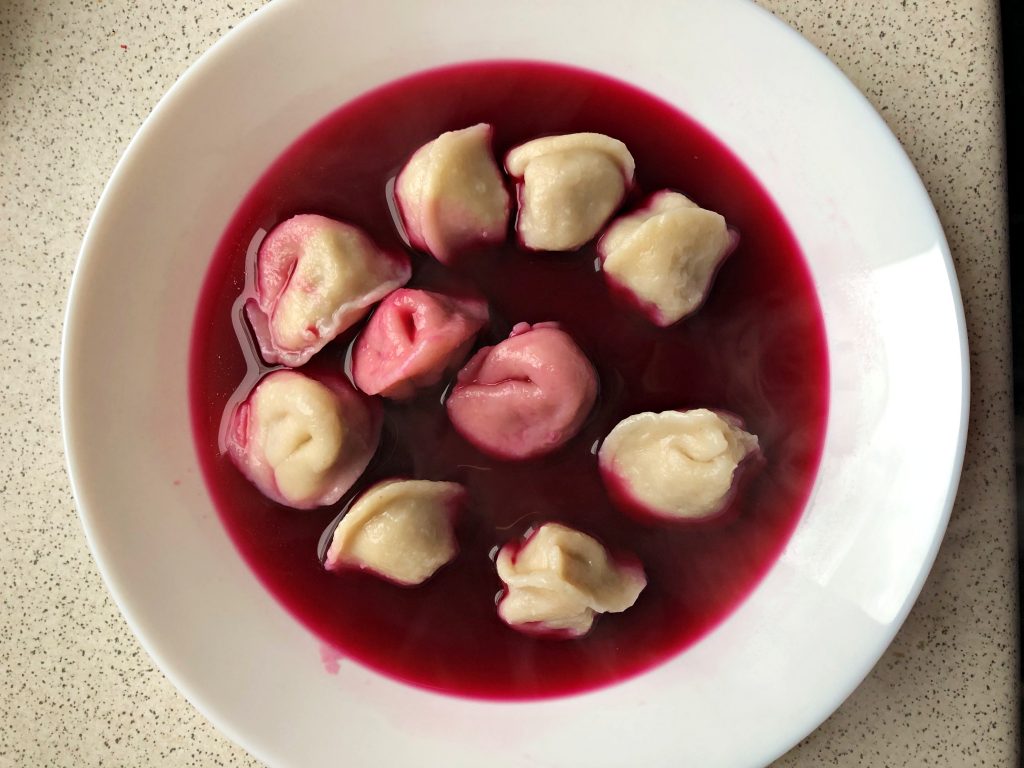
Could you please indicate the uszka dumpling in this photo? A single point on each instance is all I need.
(316, 277)
(402, 530)
(451, 194)
(676, 465)
(303, 441)
(568, 187)
(665, 255)
(413, 337)
(559, 579)
(526, 396)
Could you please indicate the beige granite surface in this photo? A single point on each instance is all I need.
(77, 77)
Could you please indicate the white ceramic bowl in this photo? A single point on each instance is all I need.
(812, 629)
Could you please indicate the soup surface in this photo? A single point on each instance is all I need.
(756, 348)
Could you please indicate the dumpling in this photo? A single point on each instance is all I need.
(559, 579)
(665, 255)
(402, 530)
(413, 337)
(526, 396)
(568, 187)
(451, 194)
(303, 441)
(316, 277)
(679, 465)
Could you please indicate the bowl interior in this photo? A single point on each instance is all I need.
(814, 626)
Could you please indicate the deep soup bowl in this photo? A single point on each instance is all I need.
(824, 613)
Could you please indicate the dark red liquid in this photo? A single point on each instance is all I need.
(757, 348)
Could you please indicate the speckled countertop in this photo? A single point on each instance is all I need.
(77, 77)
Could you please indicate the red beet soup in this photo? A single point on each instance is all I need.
(756, 348)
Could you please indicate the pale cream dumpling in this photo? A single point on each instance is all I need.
(401, 530)
(302, 441)
(559, 579)
(315, 278)
(677, 465)
(451, 193)
(665, 255)
(568, 187)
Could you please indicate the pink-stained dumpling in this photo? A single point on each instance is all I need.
(559, 579)
(526, 396)
(568, 187)
(315, 278)
(400, 530)
(675, 465)
(413, 337)
(303, 441)
(451, 194)
(665, 255)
